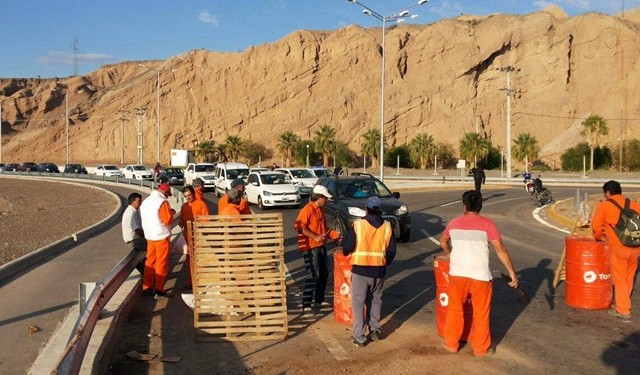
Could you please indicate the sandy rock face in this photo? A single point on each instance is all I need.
(442, 79)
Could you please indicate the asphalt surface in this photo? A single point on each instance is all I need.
(545, 336)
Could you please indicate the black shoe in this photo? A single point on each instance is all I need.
(148, 292)
(187, 288)
(162, 294)
(374, 335)
(357, 343)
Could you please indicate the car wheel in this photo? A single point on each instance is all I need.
(260, 204)
(405, 236)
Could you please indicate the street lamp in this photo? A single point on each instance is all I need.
(307, 156)
(158, 105)
(398, 16)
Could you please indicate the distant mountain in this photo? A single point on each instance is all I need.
(441, 78)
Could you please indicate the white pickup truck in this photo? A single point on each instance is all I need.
(206, 171)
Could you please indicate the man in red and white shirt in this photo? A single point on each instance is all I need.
(467, 239)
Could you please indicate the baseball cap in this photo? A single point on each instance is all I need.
(374, 203)
(237, 182)
(165, 188)
(319, 189)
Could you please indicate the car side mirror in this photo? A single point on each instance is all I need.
(396, 194)
(254, 183)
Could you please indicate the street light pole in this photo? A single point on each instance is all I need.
(509, 91)
(0, 133)
(66, 102)
(398, 16)
(158, 104)
(307, 156)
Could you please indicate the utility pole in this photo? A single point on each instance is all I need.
(139, 113)
(0, 133)
(509, 91)
(122, 119)
(75, 45)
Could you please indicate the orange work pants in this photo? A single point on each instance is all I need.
(156, 268)
(624, 263)
(481, 293)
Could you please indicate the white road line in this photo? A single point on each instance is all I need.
(430, 237)
(450, 203)
(536, 216)
(333, 345)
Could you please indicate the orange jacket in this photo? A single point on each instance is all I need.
(189, 212)
(371, 243)
(312, 217)
(243, 206)
(606, 217)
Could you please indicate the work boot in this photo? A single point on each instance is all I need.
(623, 317)
(374, 335)
(356, 343)
(148, 292)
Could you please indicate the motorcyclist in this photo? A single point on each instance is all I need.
(527, 176)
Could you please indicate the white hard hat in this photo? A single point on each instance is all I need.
(319, 189)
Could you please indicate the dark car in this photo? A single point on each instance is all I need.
(172, 175)
(47, 167)
(349, 196)
(10, 167)
(28, 166)
(75, 168)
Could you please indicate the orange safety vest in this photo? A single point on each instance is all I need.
(371, 243)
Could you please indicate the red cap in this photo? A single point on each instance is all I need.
(165, 188)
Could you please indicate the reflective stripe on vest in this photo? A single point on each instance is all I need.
(371, 243)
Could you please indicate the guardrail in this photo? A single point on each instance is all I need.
(513, 180)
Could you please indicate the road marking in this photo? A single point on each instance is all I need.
(332, 344)
(430, 237)
(450, 203)
(536, 216)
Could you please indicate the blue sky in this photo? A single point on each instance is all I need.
(36, 36)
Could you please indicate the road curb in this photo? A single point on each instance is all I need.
(558, 217)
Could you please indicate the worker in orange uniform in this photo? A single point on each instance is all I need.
(466, 238)
(191, 209)
(372, 246)
(237, 184)
(157, 216)
(624, 259)
(198, 186)
(311, 226)
(234, 203)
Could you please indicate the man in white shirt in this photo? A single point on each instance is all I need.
(132, 232)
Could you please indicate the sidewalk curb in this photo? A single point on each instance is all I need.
(558, 217)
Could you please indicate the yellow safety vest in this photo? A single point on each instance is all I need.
(371, 243)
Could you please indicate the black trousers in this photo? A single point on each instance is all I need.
(478, 182)
(316, 264)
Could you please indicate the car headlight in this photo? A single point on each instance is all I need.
(356, 211)
(266, 193)
(402, 210)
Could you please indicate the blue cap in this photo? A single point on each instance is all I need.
(237, 182)
(374, 202)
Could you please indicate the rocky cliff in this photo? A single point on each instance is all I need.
(441, 78)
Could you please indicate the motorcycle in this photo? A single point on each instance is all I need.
(541, 195)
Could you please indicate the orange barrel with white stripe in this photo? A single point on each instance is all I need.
(587, 273)
(342, 308)
(441, 272)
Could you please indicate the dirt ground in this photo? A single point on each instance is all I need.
(49, 212)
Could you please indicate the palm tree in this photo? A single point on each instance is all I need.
(205, 149)
(594, 127)
(526, 148)
(234, 146)
(220, 151)
(371, 144)
(422, 147)
(286, 143)
(472, 145)
(324, 142)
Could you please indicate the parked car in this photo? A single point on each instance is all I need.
(137, 172)
(303, 178)
(227, 172)
(349, 196)
(28, 166)
(173, 175)
(10, 167)
(108, 170)
(47, 167)
(268, 189)
(321, 171)
(3, 167)
(258, 169)
(206, 171)
(75, 168)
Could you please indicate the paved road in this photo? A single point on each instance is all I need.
(544, 337)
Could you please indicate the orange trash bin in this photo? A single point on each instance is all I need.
(441, 272)
(587, 273)
(342, 308)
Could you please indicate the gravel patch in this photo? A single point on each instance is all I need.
(35, 213)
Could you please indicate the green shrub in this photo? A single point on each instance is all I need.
(391, 157)
(572, 159)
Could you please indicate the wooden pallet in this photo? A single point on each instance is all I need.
(237, 266)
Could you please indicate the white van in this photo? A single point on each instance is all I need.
(227, 172)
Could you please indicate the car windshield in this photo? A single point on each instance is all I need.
(362, 189)
(274, 179)
(321, 172)
(302, 173)
(110, 168)
(204, 168)
(173, 170)
(139, 168)
(237, 173)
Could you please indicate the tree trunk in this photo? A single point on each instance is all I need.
(423, 162)
(592, 150)
(325, 159)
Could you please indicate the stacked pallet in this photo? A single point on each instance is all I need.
(238, 273)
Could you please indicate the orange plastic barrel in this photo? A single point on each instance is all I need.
(342, 310)
(441, 271)
(587, 273)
